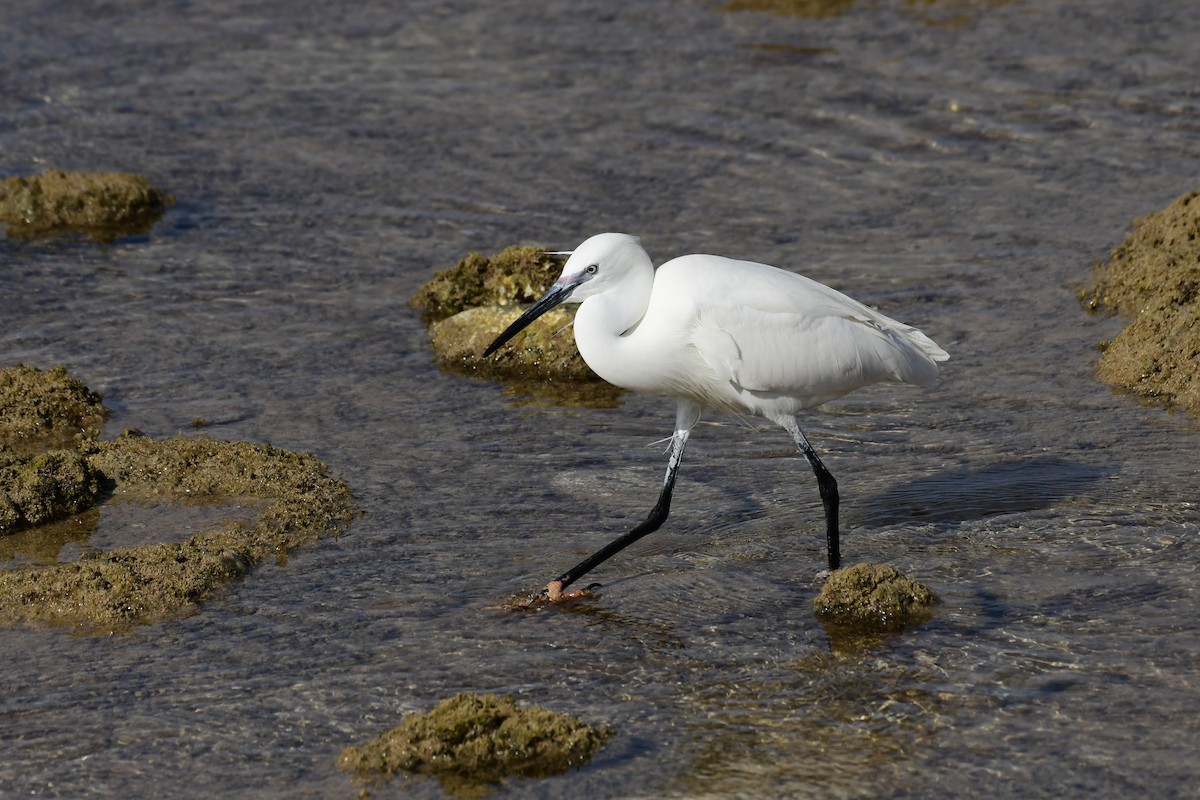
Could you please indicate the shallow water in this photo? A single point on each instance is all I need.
(958, 165)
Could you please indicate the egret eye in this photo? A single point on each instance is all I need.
(592, 268)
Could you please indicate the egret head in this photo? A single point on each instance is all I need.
(601, 263)
(595, 266)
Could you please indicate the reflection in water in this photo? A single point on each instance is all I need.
(43, 544)
(571, 394)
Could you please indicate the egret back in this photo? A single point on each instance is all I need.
(777, 342)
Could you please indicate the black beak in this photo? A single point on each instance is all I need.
(554, 296)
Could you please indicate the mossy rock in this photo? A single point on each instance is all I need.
(468, 306)
(44, 409)
(1154, 277)
(542, 362)
(546, 347)
(873, 598)
(103, 205)
(43, 487)
(515, 275)
(472, 741)
(114, 590)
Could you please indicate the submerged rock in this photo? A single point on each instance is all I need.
(103, 205)
(44, 544)
(472, 741)
(1154, 277)
(873, 598)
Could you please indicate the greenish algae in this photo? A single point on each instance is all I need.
(873, 598)
(46, 409)
(515, 275)
(114, 590)
(467, 306)
(43, 487)
(103, 205)
(545, 346)
(1154, 277)
(470, 742)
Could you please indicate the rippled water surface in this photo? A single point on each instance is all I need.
(959, 165)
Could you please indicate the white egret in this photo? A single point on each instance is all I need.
(734, 336)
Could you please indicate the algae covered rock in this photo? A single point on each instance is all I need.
(1154, 277)
(102, 204)
(542, 362)
(471, 741)
(43, 487)
(873, 598)
(515, 275)
(116, 589)
(458, 342)
(43, 409)
(112, 590)
(468, 306)
(42, 415)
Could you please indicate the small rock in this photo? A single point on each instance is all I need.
(471, 741)
(874, 598)
(40, 488)
(104, 205)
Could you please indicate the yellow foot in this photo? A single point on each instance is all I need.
(551, 595)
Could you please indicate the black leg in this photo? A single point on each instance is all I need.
(829, 498)
(658, 515)
(829, 491)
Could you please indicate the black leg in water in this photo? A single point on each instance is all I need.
(829, 498)
(658, 515)
(829, 492)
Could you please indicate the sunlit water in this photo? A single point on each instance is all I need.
(959, 165)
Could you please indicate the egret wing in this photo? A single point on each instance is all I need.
(764, 329)
(805, 355)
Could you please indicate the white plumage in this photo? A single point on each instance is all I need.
(735, 336)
